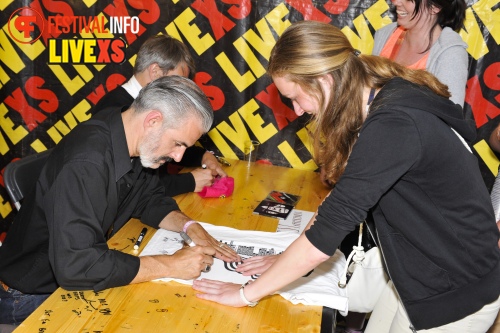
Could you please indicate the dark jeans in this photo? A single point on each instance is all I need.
(16, 306)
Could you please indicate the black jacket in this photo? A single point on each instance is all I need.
(88, 186)
(174, 183)
(429, 202)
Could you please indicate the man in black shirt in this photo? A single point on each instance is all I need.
(160, 56)
(98, 177)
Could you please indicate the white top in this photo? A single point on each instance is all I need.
(132, 86)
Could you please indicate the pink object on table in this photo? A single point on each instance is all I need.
(221, 188)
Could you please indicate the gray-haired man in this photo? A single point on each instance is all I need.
(98, 177)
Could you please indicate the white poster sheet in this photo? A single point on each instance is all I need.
(318, 288)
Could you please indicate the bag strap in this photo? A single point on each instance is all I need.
(357, 255)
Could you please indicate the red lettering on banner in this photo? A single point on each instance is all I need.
(103, 47)
(336, 7)
(481, 107)
(118, 8)
(90, 24)
(56, 22)
(58, 7)
(49, 101)
(113, 81)
(31, 116)
(151, 12)
(47, 33)
(308, 10)
(214, 94)
(491, 78)
(220, 24)
(118, 47)
(241, 8)
(282, 113)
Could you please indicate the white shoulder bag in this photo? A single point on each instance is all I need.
(367, 277)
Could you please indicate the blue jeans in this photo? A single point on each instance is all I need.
(16, 306)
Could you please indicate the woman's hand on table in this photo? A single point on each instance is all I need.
(221, 292)
(222, 251)
(256, 265)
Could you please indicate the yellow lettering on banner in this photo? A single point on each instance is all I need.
(375, 16)
(15, 134)
(489, 158)
(294, 160)
(38, 146)
(89, 52)
(84, 72)
(81, 111)
(239, 134)
(8, 54)
(33, 50)
(275, 19)
(4, 147)
(65, 128)
(89, 3)
(221, 144)
(363, 42)
(489, 17)
(249, 57)
(265, 43)
(53, 57)
(472, 35)
(241, 82)
(5, 207)
(255, 121)
(172, 31)
(304, 136)
(77, 115)
(262, 44)
(71, 85)
(54, 134)
(132, 59)
(191, 32)
(5, 3)
(4, 77)
(75, 49)
(76, 83)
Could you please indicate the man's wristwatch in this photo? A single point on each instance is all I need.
(242, 295)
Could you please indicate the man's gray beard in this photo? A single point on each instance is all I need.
(147, 149)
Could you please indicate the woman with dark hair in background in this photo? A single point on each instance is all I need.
(425, 37)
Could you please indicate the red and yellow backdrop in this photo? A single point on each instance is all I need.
(58, 58)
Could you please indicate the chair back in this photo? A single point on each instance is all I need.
(21, 175)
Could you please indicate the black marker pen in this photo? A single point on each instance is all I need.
(140, 238)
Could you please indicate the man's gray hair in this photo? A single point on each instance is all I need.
(166, 51)
(177, 98)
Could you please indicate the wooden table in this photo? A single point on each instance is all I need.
(172, 307)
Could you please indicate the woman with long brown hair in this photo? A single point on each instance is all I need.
(394, 146)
